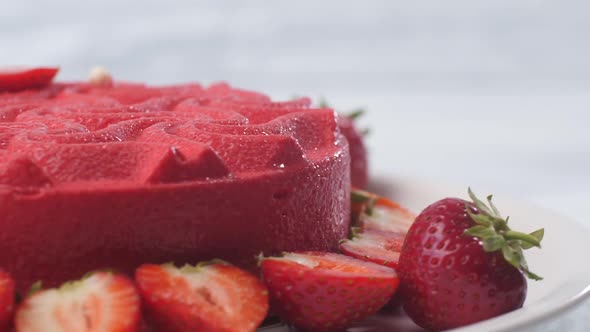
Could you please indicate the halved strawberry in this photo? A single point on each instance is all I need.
(320, 291)
(371, 211)
(381, 226)
(211, 296)
(374, 246)
(387, 216)
(26, 78)
(6, 300)
(360, 202)
(101, 302)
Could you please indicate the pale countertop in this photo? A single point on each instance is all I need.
(492, 94)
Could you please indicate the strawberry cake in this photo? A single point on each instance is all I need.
(102, 175)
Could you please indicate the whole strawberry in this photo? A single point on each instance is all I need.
(461, 263)
(359, 170)
(358, 153)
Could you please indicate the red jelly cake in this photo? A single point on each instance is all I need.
(115, 175)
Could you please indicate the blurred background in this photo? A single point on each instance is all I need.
(492, 94)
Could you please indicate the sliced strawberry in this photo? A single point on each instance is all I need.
(360, 202)
(320, 291)
(6, 300)
(388, 216)
(381, 226)
(371, 211)
(375, 246)
(26, 78)
(212, 296)
(102, 302)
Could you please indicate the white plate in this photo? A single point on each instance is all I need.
(561, 261)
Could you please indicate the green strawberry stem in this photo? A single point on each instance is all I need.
(364, 197)
(512, 235)
(358, 113)
(495, 235)
(35, 287)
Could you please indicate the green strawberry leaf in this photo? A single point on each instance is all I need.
(494, 243)
(481, 219)
(479, 204)
(357, 113)
(538, 235)
(36, 287)
(480, 231)
(494, 208)
(494, 234)
(363, 197)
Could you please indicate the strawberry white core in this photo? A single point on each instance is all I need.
(86, 305)
(302, 259)
(388, 219)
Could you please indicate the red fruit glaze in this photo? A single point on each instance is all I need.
(318, 291)
(6, 300)
(25, 78)
(94, 177)
(215, 297)
(447, 279)
(359, 172)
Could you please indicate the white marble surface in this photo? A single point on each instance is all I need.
(494, 94)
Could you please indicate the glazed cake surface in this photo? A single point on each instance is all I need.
(113, 177)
